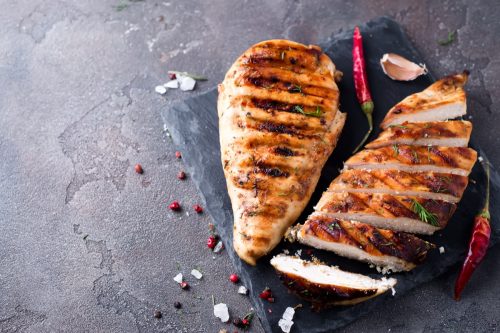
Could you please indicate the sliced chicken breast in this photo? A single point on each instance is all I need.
(325, 285)
(400, 213)
(454, 160)
(397, 251)
(278, 124)
(438, 133)
(429, 185)
(442, 100)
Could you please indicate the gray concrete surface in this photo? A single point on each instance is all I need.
(87, 245)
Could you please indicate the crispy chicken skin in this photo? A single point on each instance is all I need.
(278, 124)
(442, 100)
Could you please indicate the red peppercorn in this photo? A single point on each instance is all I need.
(172, 76)
(211, 242)
(175, 206)
(270, 299)
(178, 154)
(138, 169)
(181, 175)
(234, 278)
(184, 285)
(198, 209)
(266, 294)
(245, 322)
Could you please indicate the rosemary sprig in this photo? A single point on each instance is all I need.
(296, 88)
(395, 147)
(399, 126)
(423, 214)
(300, 109)
(193, 76)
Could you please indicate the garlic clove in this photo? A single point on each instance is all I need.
(401, 69)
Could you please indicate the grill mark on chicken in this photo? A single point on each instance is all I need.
(270, 105)
(270, 170)
(283, 151)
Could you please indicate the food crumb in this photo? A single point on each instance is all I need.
(196, 273)
(160, 90)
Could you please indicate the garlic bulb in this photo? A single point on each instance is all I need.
(401, 69)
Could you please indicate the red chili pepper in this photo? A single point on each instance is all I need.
(479, 241)
(361, 83)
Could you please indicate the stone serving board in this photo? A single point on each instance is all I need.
(193, 124)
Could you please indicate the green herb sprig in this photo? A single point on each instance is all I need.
(300, 109)
(423, 214)
(451, 38)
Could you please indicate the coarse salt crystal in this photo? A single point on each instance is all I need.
(441, 250)
(393, 291)
(221, 311)
(480, 158)
(178, 278)
(161, 90)
(288, 314)
(172, 84)
(218, 247)
(298, 253)
(242, 290)
(196, 273)
(285, 325)
(187, 83)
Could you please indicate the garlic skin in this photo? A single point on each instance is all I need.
(401, 69)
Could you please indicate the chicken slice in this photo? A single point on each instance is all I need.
(325, 285)
(430, 185)
(400, 213)
(442, 100)
(278, 124)
(397, 251)
(438, 133)
(454, 160)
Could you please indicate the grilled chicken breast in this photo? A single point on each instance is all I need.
(278, 123)
(327, 285)
(397, 251)
(454, 160)
(444, 99)
(387, 211)
(438, 133)
(429, 185)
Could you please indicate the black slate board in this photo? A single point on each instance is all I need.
(193, 125)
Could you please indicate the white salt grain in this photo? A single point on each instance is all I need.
(242, 290)
(172, 84)
(285, 325)
(221, 311)
(178, 278)
(196, 273)
(288, 314)
(187, 83)
(441, 250)
(161, 90)
(218, 247)
(480, 158)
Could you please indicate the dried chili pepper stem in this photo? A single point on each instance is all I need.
(480, 239)
(361, 83)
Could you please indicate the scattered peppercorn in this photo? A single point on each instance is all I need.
(175, 206)
(234, 278)
(245, 322)
(138, 169)
(177, 305)
(198, 209)
(181, 175)
(267, 295)
(184, 285)
(172, 76)
(211, 242)
(157, 314)
(178, 154)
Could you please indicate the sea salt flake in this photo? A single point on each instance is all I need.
(289, 313)
(196, 273)
(298, 253)
(218, 247)
(242, 290)
(178, 278)
(480, 158)
(187, 83)
(161, 90)
(221, 311)
(285, 325)
(393, 291)
(172, 84)
(441, 250)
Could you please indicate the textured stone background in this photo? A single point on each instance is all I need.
(88, 245)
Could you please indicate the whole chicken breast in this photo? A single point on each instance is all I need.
(278, 124)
